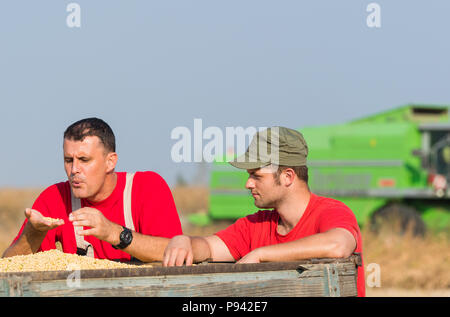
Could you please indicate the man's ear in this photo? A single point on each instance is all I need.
(111, 161)
(289, 176)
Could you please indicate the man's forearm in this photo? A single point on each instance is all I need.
(145, 247)
(322, 245)
(29, 242)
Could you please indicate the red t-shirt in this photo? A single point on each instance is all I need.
(321, 214)
(153, 212)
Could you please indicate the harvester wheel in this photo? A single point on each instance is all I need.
(398, 219)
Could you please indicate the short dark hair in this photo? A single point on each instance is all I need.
(92, 127)
(300, 171)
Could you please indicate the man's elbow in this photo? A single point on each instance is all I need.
(341, 250)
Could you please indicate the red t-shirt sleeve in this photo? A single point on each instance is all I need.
(237, 237)
(338, 215)
(158, 214)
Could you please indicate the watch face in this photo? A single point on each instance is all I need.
(126, 236)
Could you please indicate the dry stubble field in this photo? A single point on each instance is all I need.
(408, 266)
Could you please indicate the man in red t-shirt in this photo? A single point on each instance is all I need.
(299, 224)
(101, 213)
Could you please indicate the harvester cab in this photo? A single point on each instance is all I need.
(435, 154)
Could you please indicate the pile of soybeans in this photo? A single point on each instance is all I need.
(55, 260)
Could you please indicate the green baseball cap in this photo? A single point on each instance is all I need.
(275, 145)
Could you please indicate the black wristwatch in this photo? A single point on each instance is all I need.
(126, 236)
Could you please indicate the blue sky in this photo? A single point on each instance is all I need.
(147, 67)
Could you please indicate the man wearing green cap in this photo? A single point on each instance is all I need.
(292, 224)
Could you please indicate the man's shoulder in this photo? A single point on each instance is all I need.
(330, 207)
(254, 222)
(323, 202)
(150, 184)
(61, 189)
(149, 176)
(55, 196)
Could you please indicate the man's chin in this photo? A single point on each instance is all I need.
(263, 205)
(78, 193)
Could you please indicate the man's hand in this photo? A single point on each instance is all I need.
(39, 222)
(33, 233)
(178, 251)
(99, 226)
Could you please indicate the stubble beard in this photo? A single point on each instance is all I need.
(270, 204)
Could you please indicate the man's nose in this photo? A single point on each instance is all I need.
(250, 184)
(75, 167)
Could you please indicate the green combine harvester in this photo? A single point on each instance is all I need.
(393, 164)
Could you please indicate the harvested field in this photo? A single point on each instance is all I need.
(408, 266)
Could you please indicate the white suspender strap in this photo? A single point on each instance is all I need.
(83, 247)
(127, 202)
